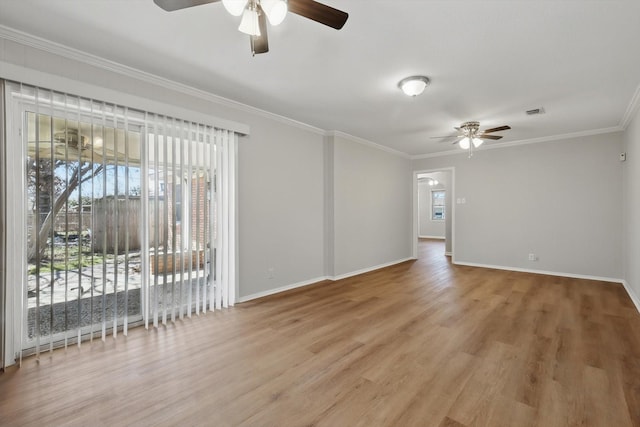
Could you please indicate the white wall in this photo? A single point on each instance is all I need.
(372, 215)
(560, 200)
(631, 210)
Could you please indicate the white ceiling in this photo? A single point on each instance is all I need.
(488, 61)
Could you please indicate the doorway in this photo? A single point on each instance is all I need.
(434, 210)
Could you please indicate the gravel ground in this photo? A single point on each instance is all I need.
(89, 310)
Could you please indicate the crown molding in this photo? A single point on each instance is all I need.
(48, 46)
(552, 138)
(631, 109)
(366, 142)
(42, 44)
(438, 154)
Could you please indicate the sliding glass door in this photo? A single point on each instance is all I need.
(83, 226)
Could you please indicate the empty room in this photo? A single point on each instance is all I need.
(319, 213)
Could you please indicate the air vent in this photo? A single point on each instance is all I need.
(535, 111)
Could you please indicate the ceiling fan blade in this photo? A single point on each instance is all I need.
(319, 12)
(494, 137)
(498, 129)
(260, 44)
(171, 5)
(446, 136)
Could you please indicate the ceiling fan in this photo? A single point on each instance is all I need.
(471, 137)
(256, 12)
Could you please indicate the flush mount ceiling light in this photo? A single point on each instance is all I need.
(255, 14)
(414, 85)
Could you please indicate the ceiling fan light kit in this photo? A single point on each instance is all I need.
(276, 10)
(235, 7)
(250, 24)
(414, 85)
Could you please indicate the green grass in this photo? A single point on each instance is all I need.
(73, 262)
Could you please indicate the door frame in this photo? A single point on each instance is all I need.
(416, 228)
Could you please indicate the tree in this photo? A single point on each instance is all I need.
(44, 184)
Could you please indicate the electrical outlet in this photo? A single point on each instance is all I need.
(533, 257)
(271, 272)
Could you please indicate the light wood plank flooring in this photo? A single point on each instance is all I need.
(422, 343)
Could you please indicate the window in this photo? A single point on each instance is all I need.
(437, 205)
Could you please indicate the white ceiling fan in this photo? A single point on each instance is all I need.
(255, 14)
(471, 137)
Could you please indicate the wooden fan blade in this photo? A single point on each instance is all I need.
(447, 136)
(498, 129)
(494, 137)
(260, 44)
(171, 5)
(319, 12)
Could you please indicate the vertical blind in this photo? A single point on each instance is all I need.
(128, 217)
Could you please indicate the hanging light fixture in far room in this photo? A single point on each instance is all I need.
(414, 85)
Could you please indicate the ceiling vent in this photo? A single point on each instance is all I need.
(535, 111)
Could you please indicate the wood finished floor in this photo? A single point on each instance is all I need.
(422, 343)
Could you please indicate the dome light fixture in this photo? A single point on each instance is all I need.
(414, 85)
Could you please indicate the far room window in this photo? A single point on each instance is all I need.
(437, 205)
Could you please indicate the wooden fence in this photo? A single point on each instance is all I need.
(115, 218)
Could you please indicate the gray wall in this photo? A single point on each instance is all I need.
(631, 244)
(560, 200)
(280, 206)
(286, 176)
(371, 207)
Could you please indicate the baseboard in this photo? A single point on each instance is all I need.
(432, 237)
(318, 279)
(632, 295)
(366, 270)
(280, 289)
(448, 254)
(548, 273)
